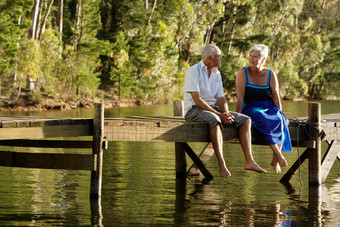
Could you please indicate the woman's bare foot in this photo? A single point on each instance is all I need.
(252, 165)
(282, 161)
(224, 172)
(275, 164)
(276, 167)
(277, 156)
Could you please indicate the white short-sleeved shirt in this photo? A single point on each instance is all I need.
(197, 80)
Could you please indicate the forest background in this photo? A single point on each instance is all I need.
(76, 49)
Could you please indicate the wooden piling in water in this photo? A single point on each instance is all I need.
(180, 157)
(97, 150)
(314, 123)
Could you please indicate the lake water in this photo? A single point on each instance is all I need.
(140, 187)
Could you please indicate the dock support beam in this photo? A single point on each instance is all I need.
(183, 148)
(181, 162)
(97, 150)
(314, 123)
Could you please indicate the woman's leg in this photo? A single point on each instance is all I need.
(278, 159)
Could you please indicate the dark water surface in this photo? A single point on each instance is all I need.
(140, 187)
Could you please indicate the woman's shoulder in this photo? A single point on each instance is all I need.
(242, 70)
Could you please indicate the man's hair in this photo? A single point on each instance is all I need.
(208, 51)
(263, 49)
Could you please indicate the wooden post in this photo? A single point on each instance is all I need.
(181, 161)
(178, 108)
(314, 119)
(98, 133)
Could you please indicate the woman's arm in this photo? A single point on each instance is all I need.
(274, 85)
(240, 89)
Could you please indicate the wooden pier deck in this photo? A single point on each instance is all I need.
(39, 132)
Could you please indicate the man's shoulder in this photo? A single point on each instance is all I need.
(195, 68)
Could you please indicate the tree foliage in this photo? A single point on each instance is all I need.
(142, 48)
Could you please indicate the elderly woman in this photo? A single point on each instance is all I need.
(258, 97)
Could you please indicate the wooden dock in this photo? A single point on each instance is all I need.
(39, 132)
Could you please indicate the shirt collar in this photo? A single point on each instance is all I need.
(204, 67)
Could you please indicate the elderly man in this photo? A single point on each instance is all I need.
(202, 90)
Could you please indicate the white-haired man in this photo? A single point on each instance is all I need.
(203, 88)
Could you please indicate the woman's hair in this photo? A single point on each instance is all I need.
(263, 49)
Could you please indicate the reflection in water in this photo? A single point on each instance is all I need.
(96, 212)
(252, 214)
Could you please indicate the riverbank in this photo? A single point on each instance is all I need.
(28, 102)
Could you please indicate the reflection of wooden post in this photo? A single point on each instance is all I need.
(314, 205)
(96, 212)
(181, 162)
(98, 133)
(314, 118)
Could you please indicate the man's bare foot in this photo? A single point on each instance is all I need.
(224, 172)
(252, 165)
(276, 167)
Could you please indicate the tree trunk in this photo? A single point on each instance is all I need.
(208, 36)
(232, 30)
(38, 22)
(43, 25)
(60, 23)
(76, 38)
(33, 29)
(153, 9)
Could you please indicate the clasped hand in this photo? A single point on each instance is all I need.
(227, 118)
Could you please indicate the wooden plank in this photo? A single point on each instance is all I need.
(297, 132)
(158, 118)
(197, 161)
(332, 130)
(169, 131)
(47, 161)
(151, 131)
(47, 143)
(204, 156)
(288, 175)
(45, 132)
(330, 156)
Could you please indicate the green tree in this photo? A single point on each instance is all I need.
(13, 26)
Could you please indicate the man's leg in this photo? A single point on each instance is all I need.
(245, 141)
(217, 142)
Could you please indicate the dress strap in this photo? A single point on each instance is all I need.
(268, 77)
(247, 74)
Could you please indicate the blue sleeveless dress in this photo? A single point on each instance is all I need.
(265, 115)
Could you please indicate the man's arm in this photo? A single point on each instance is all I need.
(223, 105)
(225, 117)
(199, 102)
